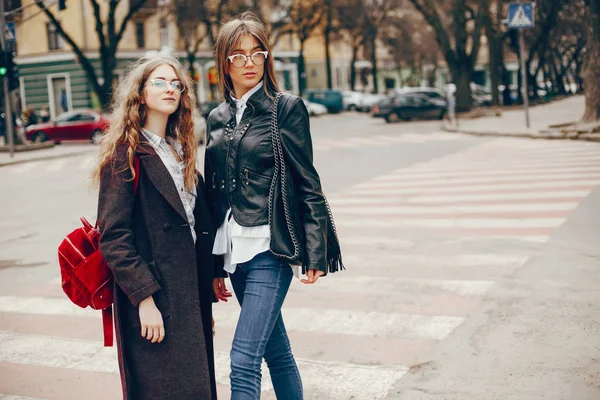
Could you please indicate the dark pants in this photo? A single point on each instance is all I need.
(261, 285)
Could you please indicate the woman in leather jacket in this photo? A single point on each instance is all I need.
(267, 201)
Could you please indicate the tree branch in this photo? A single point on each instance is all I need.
(99, 25)
(81, 58)
(132, 10)
(434, 20)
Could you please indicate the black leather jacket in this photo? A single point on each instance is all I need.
(239, 167)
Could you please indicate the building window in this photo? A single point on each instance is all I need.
(164, 33)
(139, 35)
(55, 41)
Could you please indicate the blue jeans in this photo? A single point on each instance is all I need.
(260, 286)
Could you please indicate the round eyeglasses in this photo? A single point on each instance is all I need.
(240, 60)
(162, 84)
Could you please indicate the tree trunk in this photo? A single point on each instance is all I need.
(495, 50)
(372, 40)
(108, 66)
(301, 70)
(191, 59)
(352, 69)
(327, 40)
(591, 69)
(461, 76)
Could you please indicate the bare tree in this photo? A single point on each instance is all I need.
(411, 45)
(187, 15)
(375, 14)
(591, 72)
(352, 25)
(274, 15)
(457, 25)
(109, 32)
(330, 28)
(305, 17)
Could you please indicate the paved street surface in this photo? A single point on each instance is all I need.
(471, 273)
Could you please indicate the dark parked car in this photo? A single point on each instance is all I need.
(408, 106)
(72, 125)
(430, 92)
(330, 98)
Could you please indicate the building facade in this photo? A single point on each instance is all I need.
(50, 74)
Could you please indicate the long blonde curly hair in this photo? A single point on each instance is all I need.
(129, 116)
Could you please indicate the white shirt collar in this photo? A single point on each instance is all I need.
(240, 103)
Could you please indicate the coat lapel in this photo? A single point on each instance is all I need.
(158, 174)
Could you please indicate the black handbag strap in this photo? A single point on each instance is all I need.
(334, 257)
(280, 175)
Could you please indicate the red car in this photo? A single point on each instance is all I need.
(72, 125)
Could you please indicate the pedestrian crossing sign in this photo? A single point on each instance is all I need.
(520, 15)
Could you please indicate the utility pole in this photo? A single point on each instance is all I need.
(8, 116)
(521, 16)
(524, 84)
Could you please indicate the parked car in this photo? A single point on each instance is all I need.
(199, 127)
(80, 124)
(353, 101)
(430, 92)
(330, 98)
(371, 99)
(408, 106)
(482, 96)
(315, 109)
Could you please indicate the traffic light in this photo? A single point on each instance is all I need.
(3, 69)
(9, 70)
(12, 72)
(62, 5)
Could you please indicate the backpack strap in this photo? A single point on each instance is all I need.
(107, 321)
(136, 168)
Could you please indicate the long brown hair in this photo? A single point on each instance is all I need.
(229, 37)
(129, 116)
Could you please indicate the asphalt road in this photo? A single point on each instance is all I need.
(471, 272)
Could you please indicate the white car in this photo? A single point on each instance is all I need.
(352, 100)
(315, 109)
(370, 99)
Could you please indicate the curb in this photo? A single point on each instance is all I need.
(23, 148)
(526, 135)
(49, 157)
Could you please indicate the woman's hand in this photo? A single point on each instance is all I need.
(151, 319)
(312, 275)
(220, 289)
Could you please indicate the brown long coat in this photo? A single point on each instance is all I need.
(149, 247)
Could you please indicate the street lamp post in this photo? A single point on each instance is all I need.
(8, 119)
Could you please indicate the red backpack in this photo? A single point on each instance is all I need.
(86, 278)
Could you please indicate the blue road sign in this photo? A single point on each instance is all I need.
(9, 32)
(520, 15)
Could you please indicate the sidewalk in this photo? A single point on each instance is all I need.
(59, 151)
(547, 121)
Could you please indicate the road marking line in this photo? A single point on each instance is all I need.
(341, 207)
(400, 183)
(475, 188)
(460, 260)
(468, 172)
(458, 223)
(362, 381)
(359, 284)
(331, 321)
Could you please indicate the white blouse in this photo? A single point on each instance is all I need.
(239, 244)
